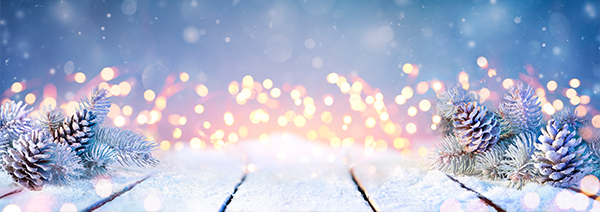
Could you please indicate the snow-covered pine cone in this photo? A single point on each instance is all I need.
(28, 162)
(76, 131)
(559, 158)
(476, 128)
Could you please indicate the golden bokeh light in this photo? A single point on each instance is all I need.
(400, 100)
(201, 90)
(182, 120)
(436, 119)
(149, 95)
(328, 100)
(312, 135)
(437, 86)
(119, 121)
(422, 87)
(412, 111)
(107, 74)
(384, 116)
(282, 121)
(30, 98)
(161, 103)
(507, 83)
(326, 117)
(423, 151)
(125, 88)
(407, 92)
(389, 128)
(177, 133)
(332, 78)
(299, 121)
(357, 86)
(407, 68)
(345, 88)
(347, 142)
(115, 90)
(80, 77)
(275, 92)
(199, 109)
(267, 83)
(585, 99)
(263, 138)
(196, 143)
(398, 143)
(570, 93)
(596, 121)
(233, 88)
(335, 142)
(482, 62)
(411, 128)
(206, 125)
(184, 77)
(228, 118)
(424, 105)
(552, 85)
(548, 108)
(232, 137)
(370, 122)
(575, 100)
(127, 110)
(247, 81)
(165, 145)
(16, 87)
(574, 83)
(557, 104)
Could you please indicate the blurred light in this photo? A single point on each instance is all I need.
(17, 87)
(422, 87)
(437, 86)
(262, 98)
(233, 137)
(347, 142)
(407, 68)
(332, 78)
(295, 94)
(590, 185)
(580, 111)
(400, 100)
(370, 99)
(492, 72)
(182, 119)
(206, 125)
(282, 121)
(103, 188)
(531, 200)
(297, 102)
(275, 92)
(412, 111)
(228, 117)
(326, 117)
(398, 143)
(149, 95)
(370, 122)
(423, 151)
(177, 133)
(357, 86)
(152, 203)
(575, 100)
(564, 199)
(243, 131)
(482, 62)
(184, 77)
(384, 116)
(433, 127)
(196, 143)
(107, 74)
(267, 83)
(199, 109)
(574, 83)
(142, 119)
(425, 105)
(389, 128)
(585, 99)
(281, 155)
(507, 83)
(11, 208)
(201, 90)
(30, 98)
(247, 81)
(115, 90)
(436, 119)
(251, 167)
(127, 110)
(79, 77)
(411, 128)
(548, 108)
(381, 145)
(345, 88)
(233, 88)
(308, 101)
(119, 121)
(310, 109)
(335, 142)
(484, 93)
(552, 85)
(67, 207)
(580, 202)
(312, 135)
(596, 121)
(328, 100)
(165, 145)
(378, 105)
(125, 88)
(103, 85)
(161, 103)
(571, 93)
(263, 138)
(344, 127)
(219, 134)
(407, 92)
(299, 121)
(463, 77)
(557, 104)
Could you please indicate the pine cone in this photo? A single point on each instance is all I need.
(28, 162)
(476, 128)
(76, 131)
(558, 158)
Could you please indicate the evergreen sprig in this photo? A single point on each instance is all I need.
(450, 156)
(13, 123)
(50, 118)
(131, 148)
(569, 116)
(452, 98)
(489, 163)
(518, 166)
(521, 111)
(98, 104)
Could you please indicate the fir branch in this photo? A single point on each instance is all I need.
(522, 110)
(98, 104)
(450, 156)
(97, 158)
(13, 123)
(131, 148)
(569, 116)
(65, 165)
(518, 166)
(451, 98)
(50, 118)
(489, 162)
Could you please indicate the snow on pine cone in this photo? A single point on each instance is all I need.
(559, 160)
(28, 162)
(76, 131)
(476, 128)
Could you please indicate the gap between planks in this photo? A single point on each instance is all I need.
(362, 190)
(479, 195)
(224, 207)
(114, 195)
(16, 191)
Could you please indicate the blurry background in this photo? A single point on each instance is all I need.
(205, 73)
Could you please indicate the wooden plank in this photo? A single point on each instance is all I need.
(297, 180)
(188, 181)
(393, 183)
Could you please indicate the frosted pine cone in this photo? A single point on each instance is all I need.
(558, 158)
(28, 163)
(476, 128)
(76, 131)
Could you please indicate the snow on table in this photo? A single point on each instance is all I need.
(294, 174)
(397, 184)
(188, 180)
